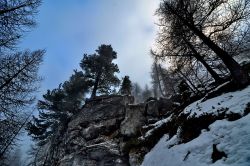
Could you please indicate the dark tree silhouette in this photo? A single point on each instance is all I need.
(18, 71)
(16, 17)
(198, 17)
(126, 86)
(18, 82)
(55, 110)
(100, 69)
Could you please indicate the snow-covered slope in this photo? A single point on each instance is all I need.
(231, 137)
(236, 102)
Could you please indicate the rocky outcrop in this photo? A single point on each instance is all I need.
(113, 131)
(105, 133)
(134, 119)
(93, 135)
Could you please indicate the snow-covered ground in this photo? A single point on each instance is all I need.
(235, 102)
(231, 137)
(155, 126)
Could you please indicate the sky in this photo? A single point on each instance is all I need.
(68, 29)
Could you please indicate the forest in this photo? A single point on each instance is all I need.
(200, 51)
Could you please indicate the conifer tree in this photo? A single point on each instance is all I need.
(57, 106)
(100, 70)
(126, 86)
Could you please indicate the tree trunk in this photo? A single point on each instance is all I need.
(158, 80)
(15, 135)
(190, 82)
(209, 69)
(165, 82)
(204, 63)
(240, 77)
(93, 95)
(8, 81)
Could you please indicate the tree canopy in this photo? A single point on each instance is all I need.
(126, 86)
(16, 17)
(100, 70)
(19, 78)
(192, 23)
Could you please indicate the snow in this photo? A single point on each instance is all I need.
(231, 137)
(236, 102)
(107, 144)
(163, 121)
(155, 126)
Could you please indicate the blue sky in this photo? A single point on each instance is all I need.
(69, 28)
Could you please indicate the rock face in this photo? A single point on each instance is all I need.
(134, 120)
(92, 135)
(105, 133)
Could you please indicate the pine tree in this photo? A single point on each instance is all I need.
(100, 70)
(57, 106)
(126, 86)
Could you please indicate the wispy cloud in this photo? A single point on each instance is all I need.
(69, 29)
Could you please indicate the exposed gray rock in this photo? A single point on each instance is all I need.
(134, 120)
(98, 135)
(92, 131)
(134, 159)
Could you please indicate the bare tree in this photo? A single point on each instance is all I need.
(18, 71)
(18, 81)
(205, 20)
(16, 17)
